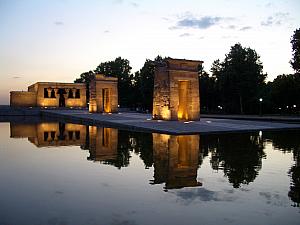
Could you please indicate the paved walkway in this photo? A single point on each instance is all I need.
(143, 122)
(277, 118)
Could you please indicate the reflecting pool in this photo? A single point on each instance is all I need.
(62, 173)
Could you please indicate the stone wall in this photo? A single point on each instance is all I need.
(166, 90)
(97, 85)
(22, 99)
(54, 102)
(35, 96)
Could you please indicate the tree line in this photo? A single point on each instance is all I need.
(235, 85)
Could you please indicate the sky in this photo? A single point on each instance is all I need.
(57, 40)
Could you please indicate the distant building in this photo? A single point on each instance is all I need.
(50, 94)
(176, 90)
(103, 94)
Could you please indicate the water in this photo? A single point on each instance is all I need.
(56, 173)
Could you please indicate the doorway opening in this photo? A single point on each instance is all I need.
(183, 100)
(62, 100)
(106, 100)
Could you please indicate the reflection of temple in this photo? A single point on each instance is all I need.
(50, 94)
(50, 134)
(176, 160)
(103, 143)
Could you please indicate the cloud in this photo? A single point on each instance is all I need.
(204, 22)
(232, 27)
(166, 19)
(201, 23)
(270, 4)
(187, 196)
(277, 19)
(185, 35)
(134, 4)
(245, 28)
(59, 23)
(118, 1)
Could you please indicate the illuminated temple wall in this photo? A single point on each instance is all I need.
(176, 160)
(50, 94)
(103, 94)
(50, 134)
(176, 90)
(103, 143)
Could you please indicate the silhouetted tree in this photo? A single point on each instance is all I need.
(86, 78)
(121, 69)
(239, 78)
(208, 91)
(285, 92)
(295, 41)
(144, 80)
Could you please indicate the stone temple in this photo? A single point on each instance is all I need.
(50, 94)
(103, 94)
(176, 90)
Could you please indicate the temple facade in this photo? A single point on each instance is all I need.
(103, 94)
(176, 90)
(50, 94)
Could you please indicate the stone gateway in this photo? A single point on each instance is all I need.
(176, 90)
(103, 94)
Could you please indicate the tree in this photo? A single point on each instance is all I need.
(295, 41)
(285, 91)
(86, 78)
(208, 91)
(121, 69)
(145, 82)
(239, 78)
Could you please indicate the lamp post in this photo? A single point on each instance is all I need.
(260, 106)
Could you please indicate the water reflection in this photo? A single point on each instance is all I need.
(176, 159)
(239, 156)
(50, 134)
(289, 142)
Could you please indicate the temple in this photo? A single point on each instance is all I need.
(176, 90)
(103, 94)
(50, 94)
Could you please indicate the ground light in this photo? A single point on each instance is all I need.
(260, 106)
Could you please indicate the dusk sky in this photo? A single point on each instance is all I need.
(57, 40)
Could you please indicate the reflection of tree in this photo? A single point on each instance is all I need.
(239, 155)
(294, 192)
(139, 143)
(289, 142)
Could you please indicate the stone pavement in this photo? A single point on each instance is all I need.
(143, 122)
